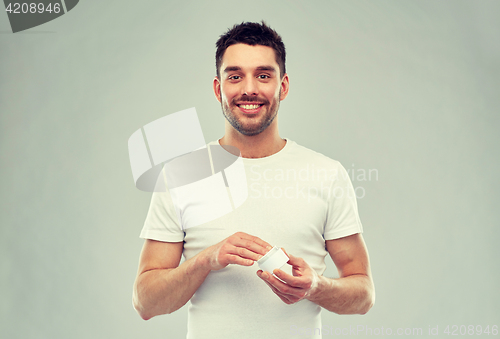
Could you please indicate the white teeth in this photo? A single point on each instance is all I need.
(249, 106)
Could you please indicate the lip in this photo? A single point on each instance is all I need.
(250, 111)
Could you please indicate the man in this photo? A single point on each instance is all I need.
(299, 200)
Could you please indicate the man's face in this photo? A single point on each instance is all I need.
(250, 88)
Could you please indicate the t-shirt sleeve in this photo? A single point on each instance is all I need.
(162, 222)
(342, 215)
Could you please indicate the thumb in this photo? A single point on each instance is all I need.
(293, 260)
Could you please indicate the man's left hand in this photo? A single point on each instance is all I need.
(292, 288)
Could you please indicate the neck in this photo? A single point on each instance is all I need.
(261, 145)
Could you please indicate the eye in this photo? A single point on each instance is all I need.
(264, 76)
(234, 77)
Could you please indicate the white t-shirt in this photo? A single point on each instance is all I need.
(297, 199)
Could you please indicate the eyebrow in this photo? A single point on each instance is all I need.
(260, 68)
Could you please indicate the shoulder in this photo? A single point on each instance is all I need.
(303, 154)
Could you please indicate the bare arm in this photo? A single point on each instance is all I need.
(163, 286)
(352, 293)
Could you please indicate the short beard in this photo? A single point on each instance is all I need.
(228, 114)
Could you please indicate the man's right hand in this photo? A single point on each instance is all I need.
(240, 249)
(163, 286)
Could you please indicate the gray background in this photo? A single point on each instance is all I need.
(409, 88)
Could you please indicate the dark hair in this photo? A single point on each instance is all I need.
(251, 33)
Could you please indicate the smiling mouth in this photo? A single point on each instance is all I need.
(250, 106)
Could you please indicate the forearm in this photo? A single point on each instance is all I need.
(163, 291)
(353, 294)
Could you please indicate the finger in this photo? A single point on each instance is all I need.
(257, 240)
(293, 260)
(243, 253)
(283, 297)
(246, 236)
(286, 298)
(237, 260)
(252, 243)
(283, 288)
(294, 281)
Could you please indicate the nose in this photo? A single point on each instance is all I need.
(250, 86)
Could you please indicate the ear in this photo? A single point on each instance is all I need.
(285, 85)
(217, 89)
